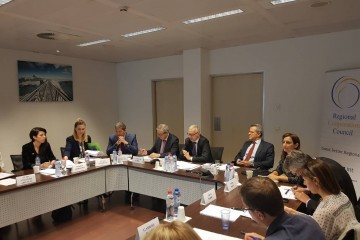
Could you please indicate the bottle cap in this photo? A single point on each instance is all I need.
(169, 191)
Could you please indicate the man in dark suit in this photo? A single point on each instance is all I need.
(297, 159)
(164, 144)
(256, 152)
(197, 147)
(122, 140)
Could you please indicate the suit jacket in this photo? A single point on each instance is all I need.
(172, 146)
(264, 156)
(29, 154)
(203, 153)
(131, 148)
(344, 180)
(72, 148)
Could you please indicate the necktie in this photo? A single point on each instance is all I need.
(163, 146)
(250, 152)
(193, 151)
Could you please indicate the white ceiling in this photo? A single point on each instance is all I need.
(78, 21)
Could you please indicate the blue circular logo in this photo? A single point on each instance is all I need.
(345, 92)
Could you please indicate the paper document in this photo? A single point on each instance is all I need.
(186, 165)
(286, 192)
(214, 211)
(95, 153)
(223, 166)
(206, 235)
(7, 182)
(48, 171)
(5, 175)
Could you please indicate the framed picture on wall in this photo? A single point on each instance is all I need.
(44, 82)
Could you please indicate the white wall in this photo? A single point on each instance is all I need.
(94, 86)
(293, 82)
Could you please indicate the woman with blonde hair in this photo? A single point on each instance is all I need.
(175, 230)
(77, 144)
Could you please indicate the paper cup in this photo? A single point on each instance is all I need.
(157, 165)
(162, 162)
(249, 173)
(76, 160)
(181, 213)
(36, 169)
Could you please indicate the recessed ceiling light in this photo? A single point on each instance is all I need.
(93, 43)
(143, 32)
(276, 2)
(58, 51)
(218, 15)
(2, 2)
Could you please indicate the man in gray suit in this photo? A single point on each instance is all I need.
(122, 140)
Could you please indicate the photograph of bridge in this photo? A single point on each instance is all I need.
(44, 82)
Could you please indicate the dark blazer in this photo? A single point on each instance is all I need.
(172, 146)
(29, 154)
(72, 148)
(344, 180)
(203, 153)
(131, 148)
(264, 156)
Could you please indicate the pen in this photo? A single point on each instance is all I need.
(235, 208)
(287, 191)
(254, 238)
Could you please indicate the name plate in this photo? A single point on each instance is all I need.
(208, 197)
(139, 160)
(25, 180)
(146, 228)
(80, 167)
(101, 162)
(231, 185)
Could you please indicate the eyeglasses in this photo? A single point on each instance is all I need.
(191, 134)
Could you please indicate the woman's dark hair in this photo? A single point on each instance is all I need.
(294, 138)
(319, 169)
(35, 131)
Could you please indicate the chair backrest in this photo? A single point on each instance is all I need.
(352, 233)
(17, 162)
(217, 153)
(357, 210)
(62, 150)
(181, 147)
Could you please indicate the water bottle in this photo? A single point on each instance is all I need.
(87, 160)
(227, 172)
(57, 168)
(175, 163)
(37, 161)
(114, 160)
(166, 163)
(232, 171)
(169, 205)
(119, 157)
(177, 196)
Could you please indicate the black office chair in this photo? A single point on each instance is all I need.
(357, 210)
(217, 153)
(62, 151)
(17, 162)
(181, 147)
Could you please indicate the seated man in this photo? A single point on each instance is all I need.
(197, 147)
(262, 198)
(164, 144)
(256, 152)
(297, 159)
(122, 140)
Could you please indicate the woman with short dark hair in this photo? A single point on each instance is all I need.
(37, 147)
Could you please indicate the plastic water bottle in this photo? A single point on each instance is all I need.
(177, 201)
(37, 161)
(57, 168)
(175, 163)
(169, 205)
(166, 163)
(114, 160)
(232, 171)
(227, 172)
(119, 157)
(87, 160)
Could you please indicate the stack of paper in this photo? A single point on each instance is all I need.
(206, 235)
(7, 182)
(215, 211)
(48, 171)
(223, 166)
(286, 192)
(95, 153)
(186, 165)
(5, 175)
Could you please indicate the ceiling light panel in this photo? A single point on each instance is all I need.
(277, 2)
(93, 43)
(210, 17)
(133, 34)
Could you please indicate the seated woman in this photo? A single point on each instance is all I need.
(175, 230)
(335, 213)
(37, 147)
(289, 142)
(76, 145)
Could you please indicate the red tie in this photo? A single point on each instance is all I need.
(250, 152)
(163, 146)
